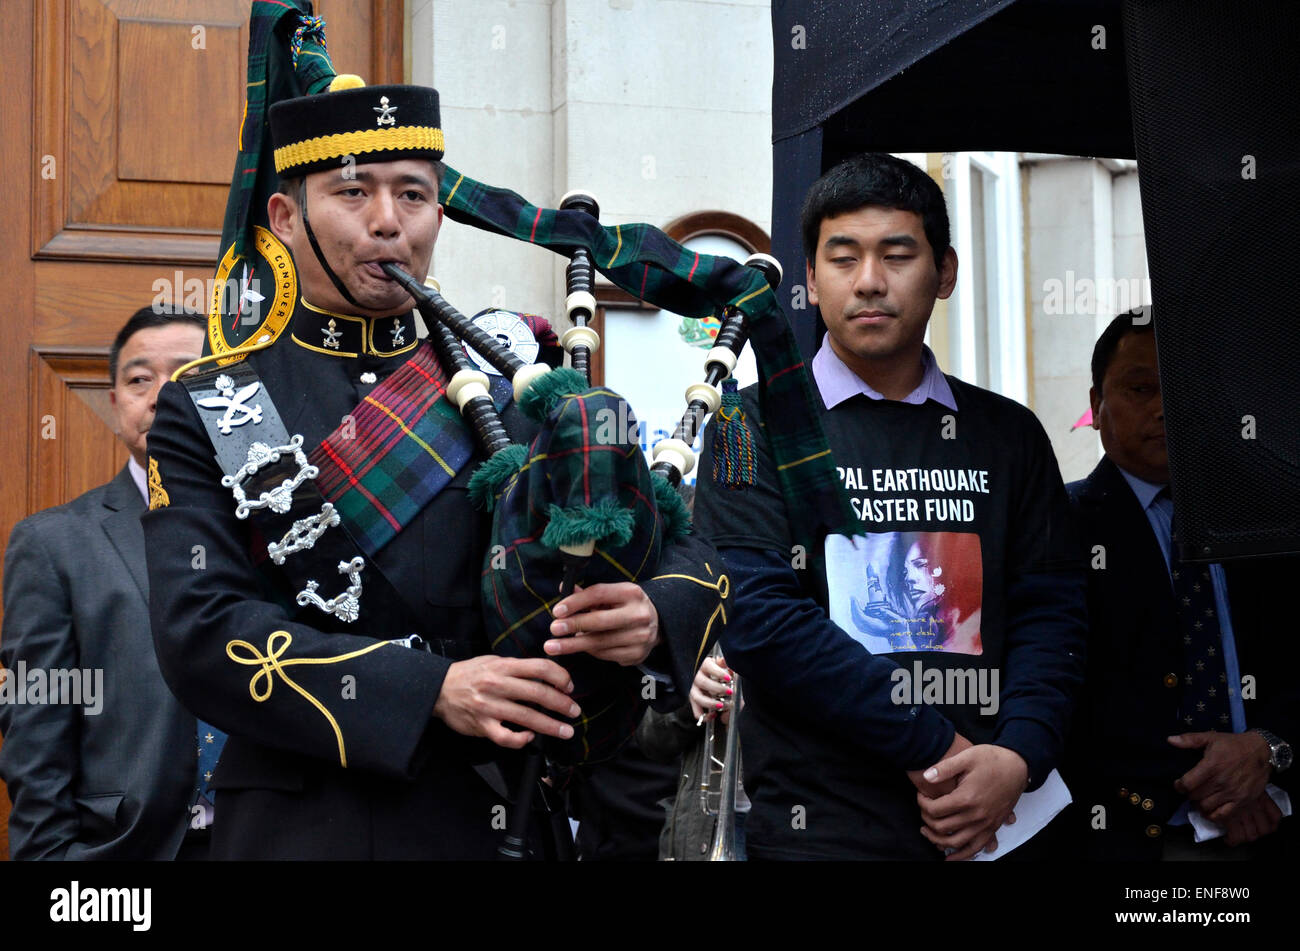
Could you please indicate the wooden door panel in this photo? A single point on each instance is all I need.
(125, 124)
(134, 108)
(154, 143)
(135, 121)
(74, 448)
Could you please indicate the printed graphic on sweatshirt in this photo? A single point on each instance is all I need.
(895, 592)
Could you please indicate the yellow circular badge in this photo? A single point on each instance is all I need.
(251, 302)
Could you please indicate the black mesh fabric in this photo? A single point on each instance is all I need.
(1213, 89)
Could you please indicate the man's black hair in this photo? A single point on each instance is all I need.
(1135, 321)
(289, 186)
(875, 178)
(146, 318)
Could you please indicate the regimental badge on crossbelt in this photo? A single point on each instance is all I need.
(234, 403)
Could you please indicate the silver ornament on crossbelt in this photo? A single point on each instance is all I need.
(232, 403)
(280, 498)
(303, 534)
(346, 606)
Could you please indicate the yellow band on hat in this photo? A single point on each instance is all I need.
(326, 147)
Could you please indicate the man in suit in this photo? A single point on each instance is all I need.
(111, 777)
(1190, 699)
(340, 640)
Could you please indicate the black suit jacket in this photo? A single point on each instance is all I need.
(409, 788)
(113, 785)
(1135, 658)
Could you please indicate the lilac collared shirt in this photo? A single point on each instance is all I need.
(837, 382)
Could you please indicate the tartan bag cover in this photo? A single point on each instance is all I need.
(581, 467)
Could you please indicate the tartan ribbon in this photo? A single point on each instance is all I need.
(286, 58)
(644, 261)
(402, 445)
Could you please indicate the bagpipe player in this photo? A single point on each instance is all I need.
(314, 558)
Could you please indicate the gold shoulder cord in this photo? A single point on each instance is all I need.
(240, 351)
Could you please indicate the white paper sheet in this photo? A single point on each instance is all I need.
(1034, 810)
(1205, 830)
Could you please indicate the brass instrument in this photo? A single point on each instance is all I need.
(720, 777)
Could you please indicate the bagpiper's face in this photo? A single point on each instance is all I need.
(362, 216)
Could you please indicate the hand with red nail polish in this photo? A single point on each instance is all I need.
(709, 691)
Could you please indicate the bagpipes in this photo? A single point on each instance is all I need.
(579, 505)
(287, 58)
(582, 488)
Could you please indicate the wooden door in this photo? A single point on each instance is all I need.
(117, 142)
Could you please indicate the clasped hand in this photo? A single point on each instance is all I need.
(968, 795)
(711, 691)
(1234, 769)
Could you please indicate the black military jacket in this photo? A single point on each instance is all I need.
(333, 750)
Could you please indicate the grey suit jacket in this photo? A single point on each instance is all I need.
(112, 785)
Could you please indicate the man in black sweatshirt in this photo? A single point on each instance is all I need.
(905, 687)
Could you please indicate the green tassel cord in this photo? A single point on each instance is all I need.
(548, 390)
(605, 523)
(734, 463)
(490, 478)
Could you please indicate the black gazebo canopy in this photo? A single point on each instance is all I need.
(1200, 92)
